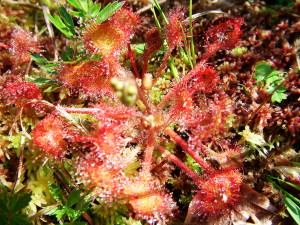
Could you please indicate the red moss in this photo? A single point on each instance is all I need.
(22, 43)
(49, 135)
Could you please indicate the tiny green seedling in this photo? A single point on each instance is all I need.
(271, 79)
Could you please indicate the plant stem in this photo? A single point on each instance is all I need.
(162, 66)
(157, 22)
(169, 95)
(149, 152)
(20, 165)
(185, 147)
(81, 110)
(191, 46)
(296, 200)
(173, 68)
(135, 70)
(179, 163)
(160, 11)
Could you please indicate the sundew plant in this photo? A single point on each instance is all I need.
(113, 120)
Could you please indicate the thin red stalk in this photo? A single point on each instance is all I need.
(149, 152)
(185, 147)
(145, 64)
(81, 110)
(180, 164)
(169, 95)
(137, 75)
(135, 70)
(142, 97)
(162, 66)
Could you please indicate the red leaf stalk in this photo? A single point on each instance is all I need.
(148, 152)
(185, 147)
(130, 54)
(180, 164)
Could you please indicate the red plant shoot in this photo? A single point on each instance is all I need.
(22, 43)
(50, 136)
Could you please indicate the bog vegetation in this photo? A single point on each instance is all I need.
(120, 113)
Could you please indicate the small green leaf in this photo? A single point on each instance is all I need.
(68, 54)
(44, 63)
(67, 19)
(82, 206)
(60, 213)
(293, 209)
(87, 8)
(75, 4)
(270, 76)
(38, 58)
(52, 88)
(140, 48)
(108, 11)
(71, 213)
(17, 219)
(73, 198)
(278, 97)
(262, 70)
(58, 23)
(56, 192)
(43, 81)
(273, 73)
(53, 211)
(75, 13)
(22, 200)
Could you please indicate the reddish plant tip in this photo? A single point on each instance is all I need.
(101, 176)
(126, 20)
(153, 41)
(20, 93)
(49, 135)
(147, 200)
(218, 194)
(174, 32)
(105, 38)
(80, 75)
(182, 105)
(205, 80)
(22, 43)
(153, 203)
(225, 34)
(110, 37)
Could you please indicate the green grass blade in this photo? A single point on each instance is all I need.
(293, 209)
